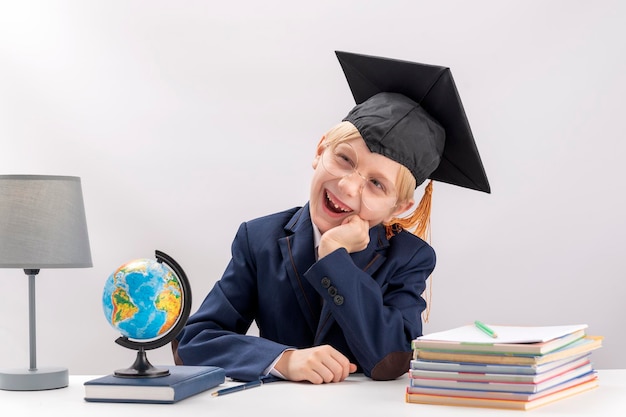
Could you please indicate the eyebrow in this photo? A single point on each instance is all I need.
(379, 175)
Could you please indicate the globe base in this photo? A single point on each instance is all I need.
(141, 368)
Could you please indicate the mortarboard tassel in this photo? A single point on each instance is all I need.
(419, 223)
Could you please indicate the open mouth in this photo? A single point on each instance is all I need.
(335, 206)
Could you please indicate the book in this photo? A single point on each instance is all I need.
(502, 403)
(181, 383)
(535, 378)
(502, 395)
(536, 348)
(510, 367)
(502, 386)
(533, 369)
(506, 334)
(584, 345)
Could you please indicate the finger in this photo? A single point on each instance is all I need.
(341, 365)
(325, 373)
(350, 219)
(313, 377)
(338, 371)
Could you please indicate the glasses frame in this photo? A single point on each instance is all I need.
(330, 149)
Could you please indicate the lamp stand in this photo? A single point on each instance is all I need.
(33, 379)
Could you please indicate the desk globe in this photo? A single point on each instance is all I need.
(148, 302)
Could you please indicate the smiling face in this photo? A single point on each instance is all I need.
(333, 198)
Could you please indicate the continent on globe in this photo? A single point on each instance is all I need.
(123, 307)
(169, 301)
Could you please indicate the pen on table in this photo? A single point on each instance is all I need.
(485, 329)
(237, 388)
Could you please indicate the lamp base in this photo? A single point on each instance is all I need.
(33, 380)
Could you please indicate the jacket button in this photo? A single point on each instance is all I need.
(338, 299)
(332, 291)
(325, 282)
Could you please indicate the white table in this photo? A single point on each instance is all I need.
(357, 396)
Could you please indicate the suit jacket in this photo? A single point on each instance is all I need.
(366, 304)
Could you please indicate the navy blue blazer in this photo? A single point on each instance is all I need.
(366, 304)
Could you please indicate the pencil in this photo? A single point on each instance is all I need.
(485, 329)
(237, 388)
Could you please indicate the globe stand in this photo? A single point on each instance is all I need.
(141, 368)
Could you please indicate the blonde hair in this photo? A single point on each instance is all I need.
(417, 221)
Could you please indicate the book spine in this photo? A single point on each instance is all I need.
(195, 385)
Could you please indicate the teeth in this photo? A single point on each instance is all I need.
(338, 208)
(336, 205)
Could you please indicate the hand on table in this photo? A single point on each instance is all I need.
(319, 364)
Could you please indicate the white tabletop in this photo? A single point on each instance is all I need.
(357, 396)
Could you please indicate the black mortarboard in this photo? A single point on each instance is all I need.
(412, 113)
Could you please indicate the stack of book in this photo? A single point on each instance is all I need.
(512, 368)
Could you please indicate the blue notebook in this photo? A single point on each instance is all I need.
(181, 383)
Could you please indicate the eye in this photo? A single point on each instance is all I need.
(381, 187)
(345, 160)
(377, 184)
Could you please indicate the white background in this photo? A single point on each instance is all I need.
(185, 118)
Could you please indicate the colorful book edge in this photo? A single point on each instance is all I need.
(521, 387)
(499, 348)
(444, 366)
(584, 345)
(501, 395)
(500, 377)
(498, 403)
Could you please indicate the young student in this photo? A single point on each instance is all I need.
(335, 286)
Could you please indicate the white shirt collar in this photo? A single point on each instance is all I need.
(317, 236)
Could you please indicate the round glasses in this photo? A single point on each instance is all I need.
(378, 193)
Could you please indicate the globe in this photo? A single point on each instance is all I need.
(142, 299)
(148, 302)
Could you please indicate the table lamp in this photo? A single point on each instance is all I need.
(42, 225)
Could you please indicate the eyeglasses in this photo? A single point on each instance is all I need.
(377, 192)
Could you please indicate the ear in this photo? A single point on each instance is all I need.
(401, 208)
(318, 152)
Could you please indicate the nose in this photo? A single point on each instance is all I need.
(353, 183)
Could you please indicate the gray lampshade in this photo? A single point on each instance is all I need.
(42, 222)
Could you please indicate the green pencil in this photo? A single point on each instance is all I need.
(485, 329)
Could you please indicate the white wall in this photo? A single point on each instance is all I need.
(184, 119)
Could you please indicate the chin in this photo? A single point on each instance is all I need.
(323, 218)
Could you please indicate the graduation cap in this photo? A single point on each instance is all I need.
(412, 113)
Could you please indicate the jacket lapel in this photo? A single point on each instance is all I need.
(298, 255)
(297, 248)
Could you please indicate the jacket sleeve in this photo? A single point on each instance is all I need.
(215, 333)
(379, 314)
